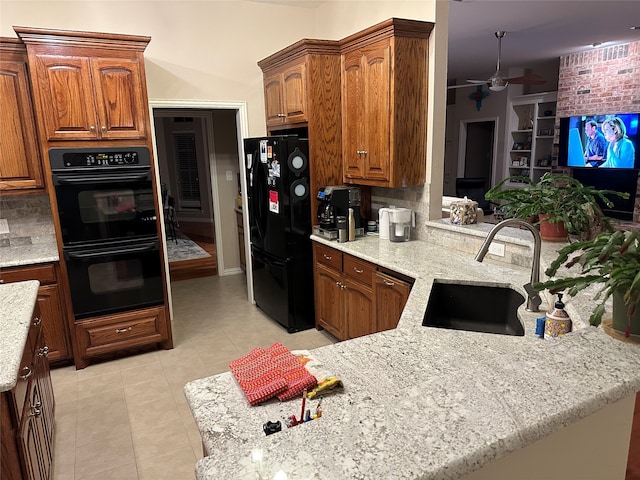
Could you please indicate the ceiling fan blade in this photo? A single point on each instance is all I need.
(464, 85)
(531, 79)
(477, 82)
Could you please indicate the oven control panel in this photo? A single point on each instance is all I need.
(106, 159)
(82, 158)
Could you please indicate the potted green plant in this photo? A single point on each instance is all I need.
(557, 201)
(611, 259)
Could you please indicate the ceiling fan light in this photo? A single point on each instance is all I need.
(498, 88)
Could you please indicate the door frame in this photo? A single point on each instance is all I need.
(242, 125)
(462, 144)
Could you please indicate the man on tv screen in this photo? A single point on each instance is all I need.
(596, 147)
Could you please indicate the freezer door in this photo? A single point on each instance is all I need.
(271, 287)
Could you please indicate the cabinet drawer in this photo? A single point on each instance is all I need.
(116, 332)
(359, 270)
(329, 257)
(45, 274)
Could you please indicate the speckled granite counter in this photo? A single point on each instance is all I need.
(421, 402)
(17, 301)
(28, 255)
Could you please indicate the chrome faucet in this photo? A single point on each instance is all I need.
(533, 298)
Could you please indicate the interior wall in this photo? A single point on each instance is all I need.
(226, 171)
(599, 81)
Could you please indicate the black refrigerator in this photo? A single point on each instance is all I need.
(279, 203)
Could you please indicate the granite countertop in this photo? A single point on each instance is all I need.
(28, 254)
(468, 397)
(17, 301)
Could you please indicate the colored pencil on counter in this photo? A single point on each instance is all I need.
(304, 400)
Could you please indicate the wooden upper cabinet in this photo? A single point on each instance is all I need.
(90, 98)
(384, 104)
(20, 168)
(88, 86)
(285, 96)
(366, 109)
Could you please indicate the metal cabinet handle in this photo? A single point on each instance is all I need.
(44, 351)
(361, 152)
(35, 412)
(92, 128)
(122, 330)
(357, 271)
(388, 283)
(103, 128)
(24, 376)
(37, 321)
(281, 115)
(327, 257)
(1, 280)
(338, 284)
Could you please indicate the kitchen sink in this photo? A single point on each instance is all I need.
(488, 308)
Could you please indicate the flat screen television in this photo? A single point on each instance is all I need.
(608, 149)
(619, 180)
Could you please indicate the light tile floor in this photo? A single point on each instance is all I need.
(128, 419)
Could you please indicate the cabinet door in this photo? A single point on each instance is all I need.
(377, 103)
(64, 97)
(53, 322)
(274, 110)
(353, 111)
(36, 452)
(20, 166)
(119, 100)
(294, 94)
(391, 295)
(329, 301)
(359, 309)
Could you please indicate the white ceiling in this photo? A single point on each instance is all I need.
(537, 30)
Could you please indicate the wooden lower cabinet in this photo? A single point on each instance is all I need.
(391, 294)
(51, 303)
(241, 252)
(27, 414)
(353, 298)
(121, 331)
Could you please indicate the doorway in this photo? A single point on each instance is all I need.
(477, 152)
(221, 125)
(184, 142)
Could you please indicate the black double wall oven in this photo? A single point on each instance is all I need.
(107, 218)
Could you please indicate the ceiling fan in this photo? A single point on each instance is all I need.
(498, 81)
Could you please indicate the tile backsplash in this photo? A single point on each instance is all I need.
(25, 220)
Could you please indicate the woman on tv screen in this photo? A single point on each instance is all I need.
(620, 151)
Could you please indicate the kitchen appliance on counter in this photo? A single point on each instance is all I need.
(279, 206)
(107, 215)
(335, 201)
(400, 222)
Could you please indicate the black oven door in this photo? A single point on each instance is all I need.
(107, 205)
(118, 277)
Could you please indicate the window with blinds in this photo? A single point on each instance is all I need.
(187, 166)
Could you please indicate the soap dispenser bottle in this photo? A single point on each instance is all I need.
(557, 321)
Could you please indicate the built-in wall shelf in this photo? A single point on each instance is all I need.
(529, 140)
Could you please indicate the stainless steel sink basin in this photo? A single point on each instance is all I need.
(474, 307)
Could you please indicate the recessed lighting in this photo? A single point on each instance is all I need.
(635, 27)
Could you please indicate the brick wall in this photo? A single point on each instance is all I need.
(599, 81)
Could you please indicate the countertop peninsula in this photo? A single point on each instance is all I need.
(420, 402)
(17, 301)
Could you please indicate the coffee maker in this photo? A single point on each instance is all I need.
(326, 212)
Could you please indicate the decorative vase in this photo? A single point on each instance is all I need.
(620, 320)
(552, 232)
